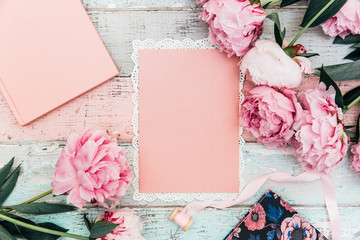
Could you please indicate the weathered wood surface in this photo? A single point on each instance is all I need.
(38, 145)
(38, 159)
(109, 106)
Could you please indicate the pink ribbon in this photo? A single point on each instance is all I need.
(327, 186)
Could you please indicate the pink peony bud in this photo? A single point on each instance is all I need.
(91, 168)
(129, 226)
(268, 64)
(234, 25)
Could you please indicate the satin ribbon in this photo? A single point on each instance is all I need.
(327, 186)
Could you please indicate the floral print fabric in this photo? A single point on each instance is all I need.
(272, 218)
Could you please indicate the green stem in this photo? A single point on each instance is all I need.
(41, 229)
(311, 21)
(271, 2)
(33, 199)
(351, 104)
(38, 197)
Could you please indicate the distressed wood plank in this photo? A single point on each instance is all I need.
(119, 28)
(155, 5)
(38, 160)
(208, 224)
(109, 107)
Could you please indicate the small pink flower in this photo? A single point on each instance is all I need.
(296, 227)
(286, 206)
(345, 22)
(269, 115)
(355, 158)
(320, 141)
(255, 220)
(129, 226)
(267, 64)
(91, 168)
(233, 24)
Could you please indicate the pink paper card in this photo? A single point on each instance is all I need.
(50, 53)
(188, 121)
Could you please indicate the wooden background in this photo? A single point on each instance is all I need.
(38, 145)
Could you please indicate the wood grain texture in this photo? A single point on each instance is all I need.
(38, 159)
(109, 105)
(38, 145)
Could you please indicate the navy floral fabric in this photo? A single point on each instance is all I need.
(271, 218)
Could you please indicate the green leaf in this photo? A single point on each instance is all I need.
(29, 233)
(308, 55)
(285, 3)
(345, 71)
(5, 235)
(357, 45)
(8, 186)
(315, 6)
(350, 39)
(279, 35)
(351, 134)
(350, 126)
(42, 208)
(325, 78)
(355, 55)
(266, 5)
(351, 95)
(291, 51)
(4, 171)
(87, 223)
(101, 228)
(357, 131)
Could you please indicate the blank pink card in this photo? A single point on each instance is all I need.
(188, 121)
(50, 53)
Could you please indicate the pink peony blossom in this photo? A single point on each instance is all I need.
(296, 227)
(355, 158)
(129, 226)
(91, 168)
(269, 115)
(233, 24)
(256, 218)
(320, 141)
(268, 64)
(345, 22)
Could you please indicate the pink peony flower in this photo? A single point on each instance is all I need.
(268, 64)
(129, 226)
(345, 22)
(296, 227)
(233, 24)
(355, 158)
(255, 220)
(91, 168)
(269, 115)
(320, 141)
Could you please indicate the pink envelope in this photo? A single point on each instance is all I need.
(50, 53)
(188, 121)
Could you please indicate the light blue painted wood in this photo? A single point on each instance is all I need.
(39, 158)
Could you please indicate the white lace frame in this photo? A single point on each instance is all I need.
(169, 197)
